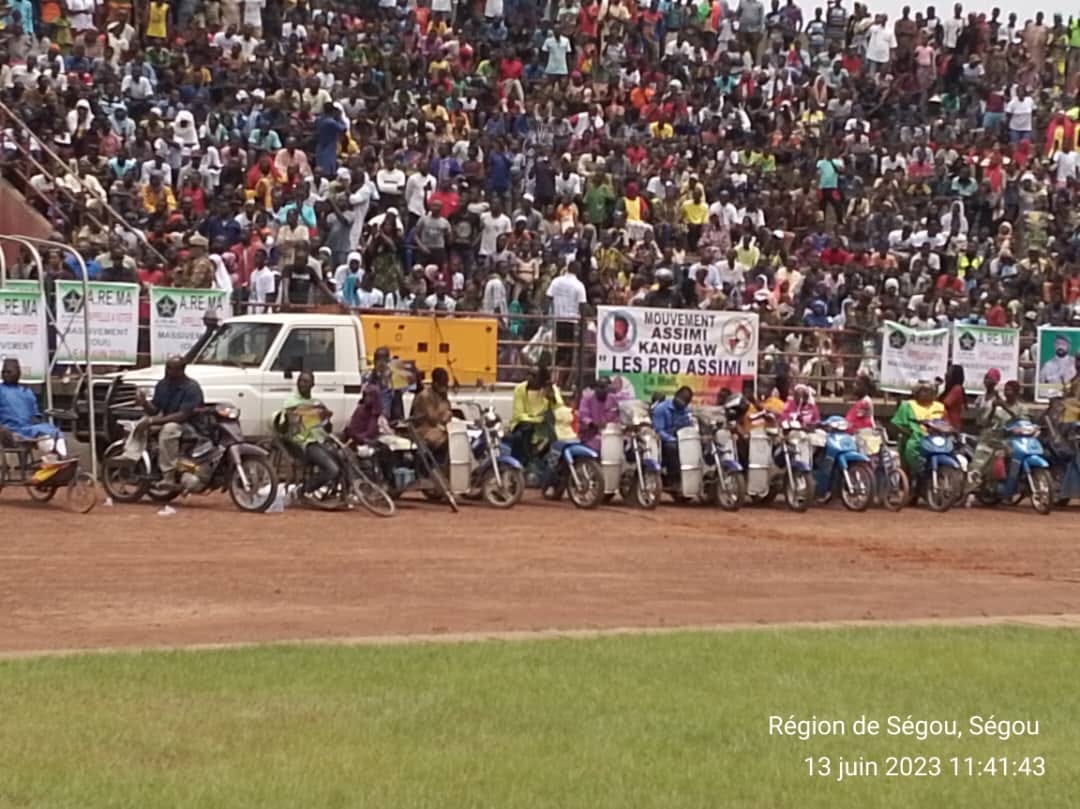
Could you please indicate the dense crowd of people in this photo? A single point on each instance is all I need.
(825, 167)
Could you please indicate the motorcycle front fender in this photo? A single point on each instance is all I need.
(504, 460)
(799, 466)
(1035, 462)
(650, 465)
(575, 451)
(729, 465)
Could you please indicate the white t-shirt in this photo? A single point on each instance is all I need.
(567, 293)
(417, 187)
(881, 41)
(491, 228)
(1020, 112)
(369, 299)
(1065, 165)
(950, 31)
(262, 284)
(253, 10)
(556, 48)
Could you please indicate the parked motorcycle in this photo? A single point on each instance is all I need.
(840, 466)
(629, 457)
(481, 463)
(573, 468)
(1021, 470)
(940, 478)
(724, 478)
(891, 486)
(780, 461)
(215, 458)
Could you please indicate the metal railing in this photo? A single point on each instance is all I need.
(829, 360)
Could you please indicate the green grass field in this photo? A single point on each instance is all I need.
(623, 722)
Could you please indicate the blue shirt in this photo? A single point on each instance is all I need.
(667, 419)
(499, 172)
(93, 269)
(18, 408)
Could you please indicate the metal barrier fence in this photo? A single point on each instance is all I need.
(829, 360)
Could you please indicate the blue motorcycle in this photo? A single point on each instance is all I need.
(572, 467)
(839, 465)
(1024, 473)
(940, 478)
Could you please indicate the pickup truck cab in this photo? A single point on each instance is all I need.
(252, 361)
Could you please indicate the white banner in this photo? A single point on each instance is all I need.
(659, 350)
(977, 349)
(176, 318)
(114, 322)
(909, 356)
(23, 335)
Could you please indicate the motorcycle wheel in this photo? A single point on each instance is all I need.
(897, 490)
(648, 496)
(799, 491)
(731, 491)
(124, 481)
(945, 494)
(507, 495)
(858, 496)
(1042, 497)
(260, 475)
(589, 490)
(372, 497)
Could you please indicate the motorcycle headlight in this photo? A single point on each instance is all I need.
(227, 412)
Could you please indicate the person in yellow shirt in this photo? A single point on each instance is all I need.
(694, 213)
(157, 197)
(533, 402)
(157, 20)
(662, 129)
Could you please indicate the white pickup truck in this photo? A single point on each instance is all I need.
(252, 361)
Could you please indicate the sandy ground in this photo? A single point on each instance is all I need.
(124, 577)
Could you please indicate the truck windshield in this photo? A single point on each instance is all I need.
(243, 345)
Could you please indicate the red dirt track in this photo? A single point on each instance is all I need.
(123, 576)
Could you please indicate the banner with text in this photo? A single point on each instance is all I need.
(977, 349)
(176, 318)
(114, 322)
(909, 356)
(645, 351)
(22, 332)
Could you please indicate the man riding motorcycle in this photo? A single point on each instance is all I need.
(303, 419)
(922, 406)
(534, 400)
(668, 417)
(173, 406)
(20, 415)
(994, 414)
